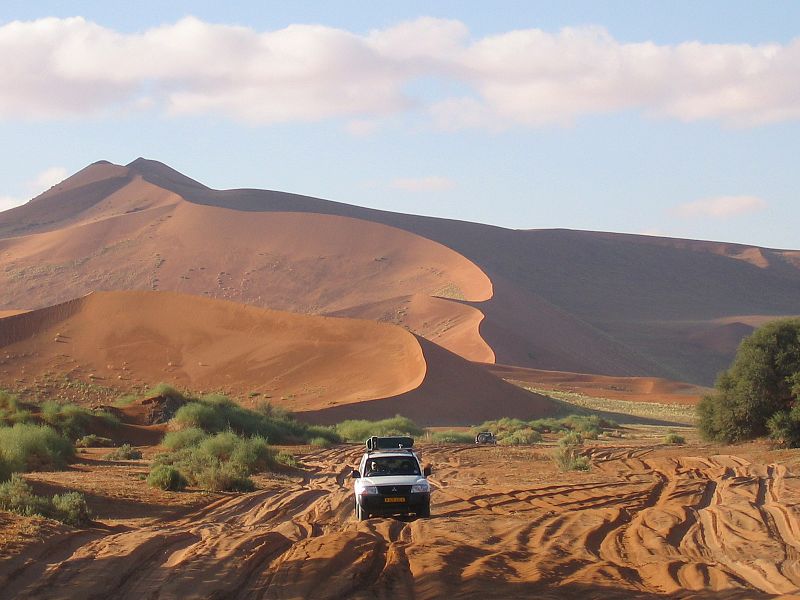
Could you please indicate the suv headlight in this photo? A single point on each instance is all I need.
(420, 487)
(369, 490)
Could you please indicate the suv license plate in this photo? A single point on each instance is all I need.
(394, 499)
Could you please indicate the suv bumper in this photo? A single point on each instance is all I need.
(377, 505)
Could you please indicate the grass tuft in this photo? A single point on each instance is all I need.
(94, 441)
(27, 447)
(674, 438)
(16, 495)
(220, 462)
(452, 437)
(567, 453)
(124, 452)
(358, 430)
(166, 477)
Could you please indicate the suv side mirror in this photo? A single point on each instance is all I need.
(356, 474)
(427, 471)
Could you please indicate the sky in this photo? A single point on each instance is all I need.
(679, 119)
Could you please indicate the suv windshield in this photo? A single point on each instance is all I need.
(384, 466)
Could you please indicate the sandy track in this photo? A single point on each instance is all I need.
(641, 523)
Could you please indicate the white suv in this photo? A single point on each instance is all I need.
(390, 480)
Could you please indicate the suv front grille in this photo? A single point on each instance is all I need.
(394, 490)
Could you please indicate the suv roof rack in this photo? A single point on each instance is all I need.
(376, 443)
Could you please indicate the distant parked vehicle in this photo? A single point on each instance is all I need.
(485, 437)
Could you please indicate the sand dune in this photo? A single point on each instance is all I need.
(126, 339)
(621, 291)
(647, 522)
(141, 236)
(585, 302)
(133, 340)
(453, 392)
(451, 325)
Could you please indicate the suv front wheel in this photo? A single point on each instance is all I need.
(361, 515)
(425, 511)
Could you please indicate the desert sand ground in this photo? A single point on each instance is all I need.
(646, 521)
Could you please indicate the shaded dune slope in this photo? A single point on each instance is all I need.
(454, 392)
(449, 324)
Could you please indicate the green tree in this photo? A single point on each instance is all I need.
(763, 381)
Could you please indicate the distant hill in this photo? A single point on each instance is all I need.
(585, 302)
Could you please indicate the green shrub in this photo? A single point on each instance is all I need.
(287, 459)
(324, 432)
(215, 413)
(221, 462)
(784, 427)
(19, 416)
(359, 430)
(183, 438)
(225, 477)
(762, 381)
(71, 508)
(125, 400)
(221, 446)
(12, 411)
(198, 415)
(521, 437)
(320, 442)
(124, 452)
(674, 438)
(16, 495)
(94, 441)
(507, 430)
(107, 418)
(9, 402)
(167, 391)
(548, 425)
(5, 469)
(68, 419)
(567, 453)
(452, 437)
(254, 455)
(166, 477)
(26, 447)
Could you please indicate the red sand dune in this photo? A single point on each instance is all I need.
(144, 237)
(125, 340)
(451, 325)
(576, 301)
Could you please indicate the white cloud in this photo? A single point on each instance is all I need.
(721, 207)
(40, 183)
(7, 202)
(48, 178)
(52, 68)
(433, 183)
(362, 127)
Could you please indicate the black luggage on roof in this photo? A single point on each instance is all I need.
(389, 443)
